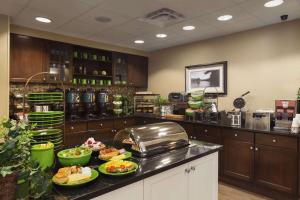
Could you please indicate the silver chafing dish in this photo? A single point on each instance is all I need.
(148, 140)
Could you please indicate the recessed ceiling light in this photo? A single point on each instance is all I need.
(188, 28)
(273, 3)
(43, 20)
(139, 41)
(225, 17)
(161, 35)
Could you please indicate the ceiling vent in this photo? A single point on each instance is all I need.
(163, 17)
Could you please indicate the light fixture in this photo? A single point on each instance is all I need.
(139, 41)
(43, 20)
(273, 3)
(161, 35)
(188, 28)
(225, 17)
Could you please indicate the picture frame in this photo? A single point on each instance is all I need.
(212, 77)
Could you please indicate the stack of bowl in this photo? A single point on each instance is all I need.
(54, 136)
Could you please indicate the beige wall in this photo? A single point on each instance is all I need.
(73, 40)
(4, 65)
(265, 61)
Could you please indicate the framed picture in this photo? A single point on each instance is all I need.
(211, 77)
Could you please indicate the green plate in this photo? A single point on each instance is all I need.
(47, 124)
(45, 100)
(95, 174)
(51, 137)
(46, 121)
(46, 132)
(103, 170)
(55, 140)
(48, 114)
(43, 93)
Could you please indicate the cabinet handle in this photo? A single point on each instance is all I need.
(256, 149)
(125, 122)
(235, 135)
(274, 140)
(101, 125)
(205, 130)
(251, 148)
(193, 168)
(187, 171)
(72, 127)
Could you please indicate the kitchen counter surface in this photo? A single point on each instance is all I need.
(148, 167)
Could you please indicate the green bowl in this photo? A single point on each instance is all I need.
(65, 159)
(118, 111)
(117, 97)
(43, 154)
(197, 97)
(195, 104)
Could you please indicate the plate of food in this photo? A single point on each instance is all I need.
(94, 145)
(118, 167)
(112, 153)
(74, 176)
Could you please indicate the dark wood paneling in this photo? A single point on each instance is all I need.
(239, 135)
(101, 124)
(276, 168)
(208, 134)
(137, 71)
(27, 57)
(74, 127)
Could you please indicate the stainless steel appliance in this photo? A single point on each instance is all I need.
(262, 121)
(89, 102)
(178, 97)
(102, 101)
(73, 103)
(237, 118)
(152, 139)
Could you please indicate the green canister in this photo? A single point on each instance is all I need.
(43, 154)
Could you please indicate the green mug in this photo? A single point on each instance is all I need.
(93, 82)
(101, 82)
(83, 82)
(109, 82)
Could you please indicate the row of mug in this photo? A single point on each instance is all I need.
(93, 82)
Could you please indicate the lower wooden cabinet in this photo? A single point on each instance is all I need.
(208, 134)
(238, 154)
(276, 168)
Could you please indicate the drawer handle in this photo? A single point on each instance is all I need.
(193, 168)
(187, 171)
(72, 127)
(256, 149)
(251, 148)
(274, 140)
(205, 130)
(125, 122)
(235, 135)
(101, 125)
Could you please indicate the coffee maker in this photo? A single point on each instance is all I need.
(179, 102)
(89, 103)
(102, 101)
(73, 103)
(285, 111)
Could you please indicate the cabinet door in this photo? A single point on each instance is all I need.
(208, 134)
(27, 57)
(104, 135)
(238, 159)
(76, 138)
(169, 185)
(131, 192)
(276, 168)
(189, 128)
(203, 178)
(137, 71)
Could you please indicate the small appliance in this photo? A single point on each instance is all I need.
(73, 103)
(178, 97)
(285, 111)
(102, 100)
(89, 102)
(237, 118)
(263, 120)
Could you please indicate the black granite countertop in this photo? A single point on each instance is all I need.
(108, 117)
(147, 167)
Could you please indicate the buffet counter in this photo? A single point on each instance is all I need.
(164, 174)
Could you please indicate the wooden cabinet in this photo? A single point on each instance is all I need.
(145, 120)
(238, 154)
(133, 191)
(189, 128)
(276, 163)
(137, 71)
(27, 57)
(120, 124)
(190, 181)
(208, 133)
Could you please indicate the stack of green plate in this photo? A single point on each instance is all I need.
(46, 119)
(48, 135)
(43, 97)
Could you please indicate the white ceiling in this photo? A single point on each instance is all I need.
(77, 18)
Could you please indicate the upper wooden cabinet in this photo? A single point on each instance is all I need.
(137, 71)
(27, 57)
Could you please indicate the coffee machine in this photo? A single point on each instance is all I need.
(73, 103)
(89, 103)
(179, 102)
(102, 101)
